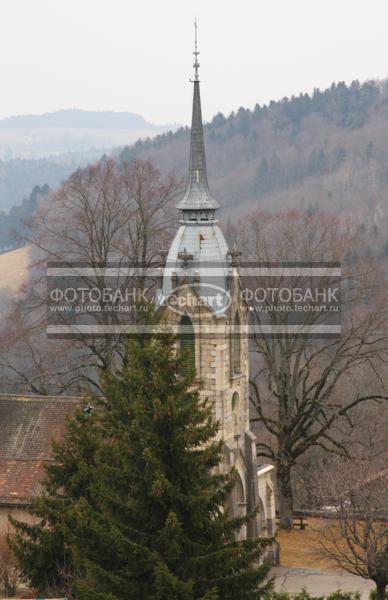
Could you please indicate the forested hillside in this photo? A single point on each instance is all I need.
(13, 223)
(325, 152)
(19, 176)
(20, 182)
(322, 152)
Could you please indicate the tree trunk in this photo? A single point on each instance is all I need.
(380, 590)
(286, 501)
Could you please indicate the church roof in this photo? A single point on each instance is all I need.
(208, 248)
(28, 424)
(198, 195)
(206, 243)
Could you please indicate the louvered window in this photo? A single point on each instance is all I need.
(187, 341)
(236, 353)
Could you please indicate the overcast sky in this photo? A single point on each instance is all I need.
(136, 55)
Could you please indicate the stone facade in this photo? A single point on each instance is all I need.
(221, 360)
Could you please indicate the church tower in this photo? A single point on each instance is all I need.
(201, 297)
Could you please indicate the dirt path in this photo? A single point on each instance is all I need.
(301, 566)
(319, 582)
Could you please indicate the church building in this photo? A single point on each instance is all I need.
(201, 296)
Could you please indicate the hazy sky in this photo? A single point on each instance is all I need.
(136, 55)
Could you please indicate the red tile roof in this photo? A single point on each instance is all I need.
(27, 426)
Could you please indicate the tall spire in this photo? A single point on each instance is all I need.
(197, 195)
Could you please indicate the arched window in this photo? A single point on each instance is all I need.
(235, 400)
(261, 518)
(187, 341)
(235, 501)
(236, 345)
(240, 506)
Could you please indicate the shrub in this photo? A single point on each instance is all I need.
(373, 594)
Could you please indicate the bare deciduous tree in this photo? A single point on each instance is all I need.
(356, 538)
(106, 213)
(298, 386)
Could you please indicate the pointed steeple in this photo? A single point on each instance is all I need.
(198, 195)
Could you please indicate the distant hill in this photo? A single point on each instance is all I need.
(327, 151)
(78, 119)
(37, 136)
(45, 149)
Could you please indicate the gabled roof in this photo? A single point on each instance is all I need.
(28, 424)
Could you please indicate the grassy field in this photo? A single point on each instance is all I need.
(13, 269)
(299, 548)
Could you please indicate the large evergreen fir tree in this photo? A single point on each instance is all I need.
(134, 505)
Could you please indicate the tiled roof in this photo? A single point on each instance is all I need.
(19, 481)
(27, 426)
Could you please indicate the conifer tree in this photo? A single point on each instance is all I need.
(143, 514)
(43, 549)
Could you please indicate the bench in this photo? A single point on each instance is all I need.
(298, 521)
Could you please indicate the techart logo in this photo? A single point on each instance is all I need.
(195, 298)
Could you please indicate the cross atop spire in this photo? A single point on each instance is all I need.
(198, 195)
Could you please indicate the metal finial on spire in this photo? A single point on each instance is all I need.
(196, 52)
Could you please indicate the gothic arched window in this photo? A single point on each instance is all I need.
(236, 345)
(237, 505)
(187, 341)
